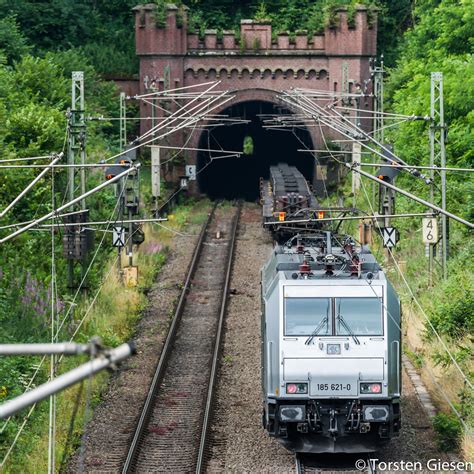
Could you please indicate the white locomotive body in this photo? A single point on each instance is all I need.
(331, 373)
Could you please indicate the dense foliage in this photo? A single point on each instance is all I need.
(441, 41)
(104, 31)
(34, 96)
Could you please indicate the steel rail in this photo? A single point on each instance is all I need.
(217, 349)
(165, 353)
(299, 469)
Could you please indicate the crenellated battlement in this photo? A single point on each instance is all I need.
(160, 34)
(254, 38)
(169, 35)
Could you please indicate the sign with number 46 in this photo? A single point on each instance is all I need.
(430, 230)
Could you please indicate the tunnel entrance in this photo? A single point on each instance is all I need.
(232, 178)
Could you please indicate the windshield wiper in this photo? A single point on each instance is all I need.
(345, 325)
(316, 331)
(318, 327)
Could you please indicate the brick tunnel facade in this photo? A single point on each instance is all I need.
(255, 67)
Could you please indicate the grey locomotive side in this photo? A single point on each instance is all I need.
(331, 367)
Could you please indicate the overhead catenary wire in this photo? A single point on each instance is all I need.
(59, 216)
(212, 96)
(30, 185)
(385, 114)
(432, 376)
(62, 166)
(87, 223)
(183, 109)
(353, 218)
(435, 168)
(354, 133)
(67, 205)
(31, 158)
(59, 327)
(210, 119)
(17, 436)
(199, 117)
(406, 282)
(412, 196)
(317, 113)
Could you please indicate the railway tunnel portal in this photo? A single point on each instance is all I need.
(255, 65)
(239, 176)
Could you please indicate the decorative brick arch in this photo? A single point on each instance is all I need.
(257, 67)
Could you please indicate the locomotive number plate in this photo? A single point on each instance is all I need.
(334, 387)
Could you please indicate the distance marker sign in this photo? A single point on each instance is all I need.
(430, 230)
(191, 172)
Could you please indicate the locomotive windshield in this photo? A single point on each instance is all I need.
(305, 315)
(333, 317)
(363, 316)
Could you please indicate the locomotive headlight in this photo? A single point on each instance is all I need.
(376, 413)
(371, 388)
(296, 388)
(292, 413)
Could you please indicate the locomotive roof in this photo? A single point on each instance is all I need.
(286, 262)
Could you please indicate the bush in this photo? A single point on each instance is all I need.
(456, 316)
(448, 431)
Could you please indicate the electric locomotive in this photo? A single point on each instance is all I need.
(331, 347)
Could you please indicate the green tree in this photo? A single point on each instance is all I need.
(13, 44)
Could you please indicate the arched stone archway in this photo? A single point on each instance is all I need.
(239, 177)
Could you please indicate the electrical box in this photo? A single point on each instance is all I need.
(77, 241)
(130, 276)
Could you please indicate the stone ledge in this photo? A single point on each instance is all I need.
(420, 389)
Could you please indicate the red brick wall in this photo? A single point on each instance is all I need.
(257, 67)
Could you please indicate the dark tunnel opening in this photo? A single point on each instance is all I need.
(232, 178)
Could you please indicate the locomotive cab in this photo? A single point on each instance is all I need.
(330, 349)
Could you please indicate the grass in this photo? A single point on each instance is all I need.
(113, 317)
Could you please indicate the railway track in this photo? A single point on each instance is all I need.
(324, 464)
(171, 433)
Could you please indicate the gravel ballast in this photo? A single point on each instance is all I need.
(109, 432)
